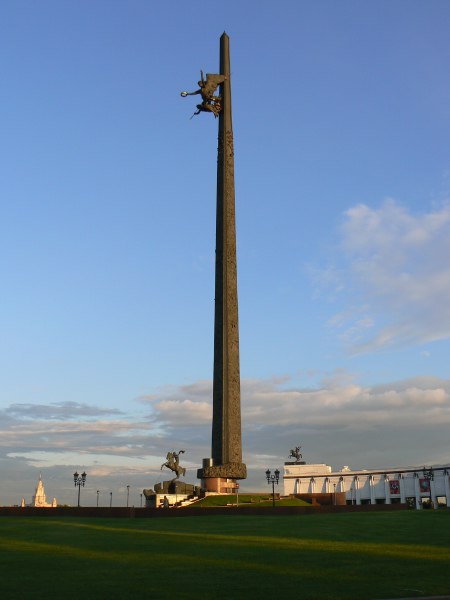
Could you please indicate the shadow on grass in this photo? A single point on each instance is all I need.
(317, 557)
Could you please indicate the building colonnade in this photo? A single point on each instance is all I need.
(417, 486)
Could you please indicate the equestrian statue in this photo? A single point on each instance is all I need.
(173, 463)
(295, 453)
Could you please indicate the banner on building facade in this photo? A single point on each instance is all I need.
(424, 485)
(394, 486)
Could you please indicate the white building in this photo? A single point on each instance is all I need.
(413, 485)
(39, 498)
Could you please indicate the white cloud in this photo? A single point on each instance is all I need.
(185, 405)
(59, 410)
(396, 263)
(348, 405)
(186, 411)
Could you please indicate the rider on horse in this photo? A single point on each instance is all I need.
(173, 463)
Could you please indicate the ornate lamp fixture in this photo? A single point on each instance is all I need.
(272, 479)
(79, 480)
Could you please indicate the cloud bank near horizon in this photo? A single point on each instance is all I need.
(389, 423)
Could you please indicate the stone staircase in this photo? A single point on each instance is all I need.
(187, 502)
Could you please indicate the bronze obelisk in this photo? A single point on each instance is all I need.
(220, 472)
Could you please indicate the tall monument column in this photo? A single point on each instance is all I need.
(226, 428)
(220, 472)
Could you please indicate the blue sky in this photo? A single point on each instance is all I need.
(341, 122)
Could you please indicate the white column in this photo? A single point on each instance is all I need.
(402, 488)
(417, 491)
(387, 489)
(372, 490)
(447, 488)
(433, 493)
(357, 490)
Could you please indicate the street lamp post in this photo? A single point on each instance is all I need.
(128, 494)
(79, 480)
(110, 499)
(98, 493)
(429, 476)
(141, 500)
(272, 479)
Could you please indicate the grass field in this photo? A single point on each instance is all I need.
(248, 500)
(329, 556)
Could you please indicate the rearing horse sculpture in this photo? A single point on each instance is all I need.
(173, 463)
(295, 453)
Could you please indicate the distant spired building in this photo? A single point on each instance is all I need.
(39, 500)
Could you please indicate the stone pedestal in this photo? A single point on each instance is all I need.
(220, 485)
(221, 478)
(177, 487)
(174, 491)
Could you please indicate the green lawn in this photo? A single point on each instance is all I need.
(246, 500)
(329, 556)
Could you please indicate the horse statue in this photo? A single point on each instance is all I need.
(295, 453)
(173, 463)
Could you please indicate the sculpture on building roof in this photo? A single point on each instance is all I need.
(295, 453)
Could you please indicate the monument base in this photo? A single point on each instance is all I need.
(219, 485)
(171, 493)
(226, 471)
(221, 479)
(177, 487)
